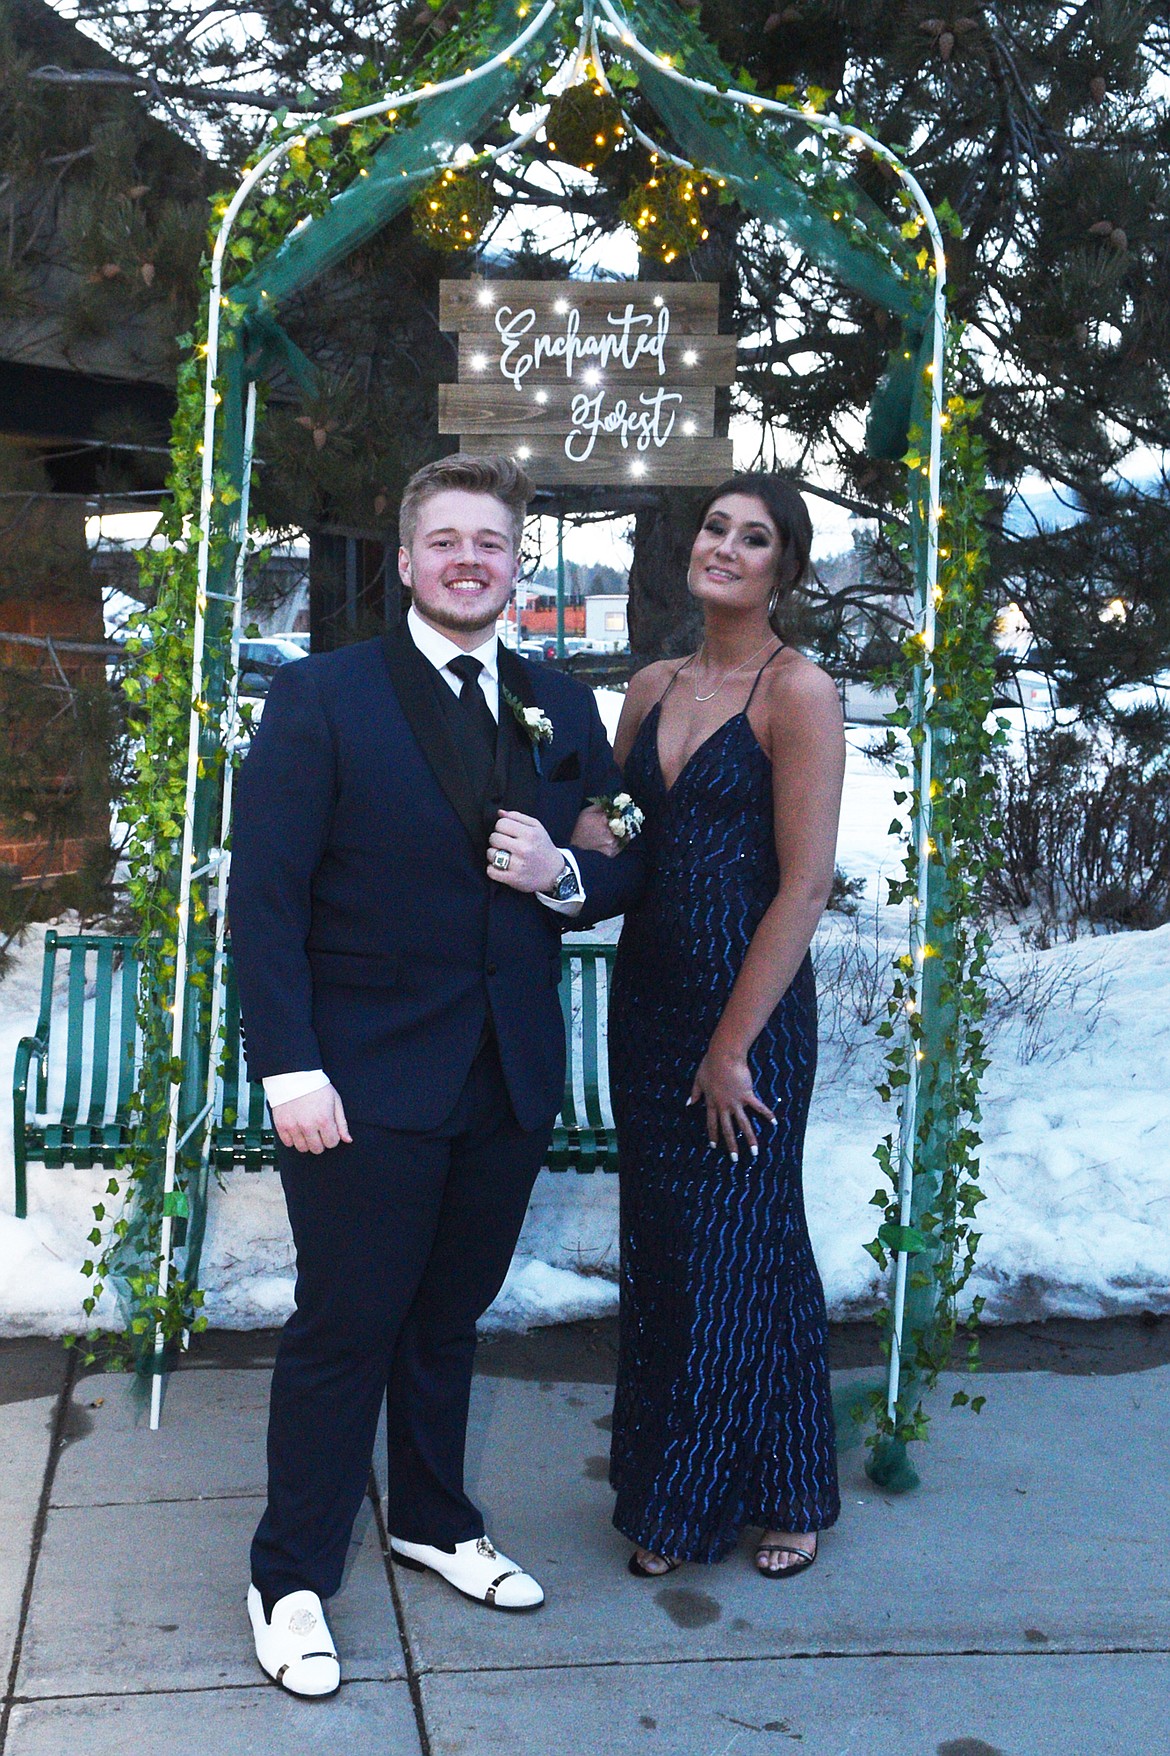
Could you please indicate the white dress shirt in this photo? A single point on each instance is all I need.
(282, 1088)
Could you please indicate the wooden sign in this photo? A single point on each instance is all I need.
(590, 382)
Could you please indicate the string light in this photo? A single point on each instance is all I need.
(584, 125)
(667, 211)
(452, 213)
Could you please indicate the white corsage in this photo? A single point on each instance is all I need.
(536, 726)
(624, 817)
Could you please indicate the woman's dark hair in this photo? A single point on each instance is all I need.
(788, 513)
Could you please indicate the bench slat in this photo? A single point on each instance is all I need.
(128, 1026)
(75, 1037)
(44, 1022)
(103, 1007)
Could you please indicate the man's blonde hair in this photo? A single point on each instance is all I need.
(494, 474)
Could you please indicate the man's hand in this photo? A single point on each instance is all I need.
(533, 862)
(313, 1122)
(592, 831)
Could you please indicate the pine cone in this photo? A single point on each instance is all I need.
(1097, 89)
(946, 43)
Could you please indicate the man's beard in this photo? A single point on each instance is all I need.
(462, 619)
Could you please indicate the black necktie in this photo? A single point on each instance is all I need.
(471, 699)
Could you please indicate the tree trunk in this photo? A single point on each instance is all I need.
(665, 621)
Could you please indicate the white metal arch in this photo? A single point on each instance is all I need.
(615, 28)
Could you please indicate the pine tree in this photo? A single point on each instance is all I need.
(1045, 128)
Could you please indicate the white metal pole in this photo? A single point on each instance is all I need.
(925, 617)
(231, 721)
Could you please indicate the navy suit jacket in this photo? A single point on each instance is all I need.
(367, 938)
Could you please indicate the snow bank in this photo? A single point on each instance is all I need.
(1076, 1116)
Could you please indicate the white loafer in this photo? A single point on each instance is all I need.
(477, 1569)
(296, 1647)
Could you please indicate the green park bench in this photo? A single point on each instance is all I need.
(74, 1077)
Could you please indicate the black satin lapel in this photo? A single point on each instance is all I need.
(414, 685)
(516, 758)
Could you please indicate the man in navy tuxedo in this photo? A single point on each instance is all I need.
(402, 870)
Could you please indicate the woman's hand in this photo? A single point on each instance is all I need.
(724, 1084)
(533, 863)
(592, 831)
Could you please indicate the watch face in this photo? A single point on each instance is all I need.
(566, 884)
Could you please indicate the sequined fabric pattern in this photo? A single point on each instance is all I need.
(723, 1416)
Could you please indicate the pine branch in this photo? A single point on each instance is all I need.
(205, 95)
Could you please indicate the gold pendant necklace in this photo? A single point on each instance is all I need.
(732, 671)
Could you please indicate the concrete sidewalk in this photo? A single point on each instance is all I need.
(1018, 1603)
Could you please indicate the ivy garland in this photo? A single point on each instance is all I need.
(942, 1240)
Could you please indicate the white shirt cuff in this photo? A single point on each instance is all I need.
(282, 1088)
(574, 904)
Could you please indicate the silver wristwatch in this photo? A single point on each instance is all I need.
(565, 887)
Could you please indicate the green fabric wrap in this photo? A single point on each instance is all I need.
(898, 394)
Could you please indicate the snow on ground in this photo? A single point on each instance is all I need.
(1076, 1116)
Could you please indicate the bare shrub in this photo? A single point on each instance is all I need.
(1038, 994)
(1081, 831)
(853, 971)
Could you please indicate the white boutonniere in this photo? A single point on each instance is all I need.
(624, 817)
(536, 726)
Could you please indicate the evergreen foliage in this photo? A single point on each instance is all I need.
(1044, 128)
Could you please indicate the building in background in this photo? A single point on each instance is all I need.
(607, 624)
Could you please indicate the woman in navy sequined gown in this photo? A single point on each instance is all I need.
(723, 1417)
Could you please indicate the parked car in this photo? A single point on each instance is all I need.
(261, 659)
(544, 649)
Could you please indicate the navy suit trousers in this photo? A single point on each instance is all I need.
(403, 1241)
